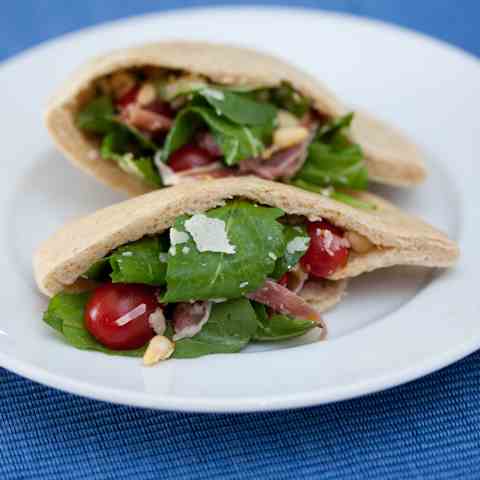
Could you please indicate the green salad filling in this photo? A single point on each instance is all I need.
(167, 127)
(212, 283)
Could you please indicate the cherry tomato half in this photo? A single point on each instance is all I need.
(189, 156)
(327, 252)
(117, 315)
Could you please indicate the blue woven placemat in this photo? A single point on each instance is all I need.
(429, 429)
(425, 430)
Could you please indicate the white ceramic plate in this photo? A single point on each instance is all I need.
(394, 326)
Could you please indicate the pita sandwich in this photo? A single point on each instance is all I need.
(388, 155)
(377, 238)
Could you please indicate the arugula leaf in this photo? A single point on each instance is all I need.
(287, 98)
(136, 262)
(98, 270)
(278, 327)
(168, 90)
(236, 142)
(297, 241)
(258, 241)
(333, 160)
(184, 126)
(139, 262)
(327, 132)
(65, 314)
(135, 134)
(96, 116)
(229, 329)
(239, 108)
(335, 165)
(332, 193)
(142, 167)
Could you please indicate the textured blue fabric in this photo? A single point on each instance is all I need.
(428, 429)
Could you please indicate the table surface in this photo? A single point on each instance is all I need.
(428, 429)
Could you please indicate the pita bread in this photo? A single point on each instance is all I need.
(399, 239)
(390, 157)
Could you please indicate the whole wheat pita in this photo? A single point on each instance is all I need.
(396, 237)
(390, 157)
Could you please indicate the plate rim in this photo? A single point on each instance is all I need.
(244, 403)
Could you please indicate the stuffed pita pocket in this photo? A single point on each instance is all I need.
(228, 249)
(161, 114)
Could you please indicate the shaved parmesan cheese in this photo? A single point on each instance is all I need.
(127, 254)
(157, 321)
(243, 284)
(185, 250)
(272, 255)
(209, 234)
(131, 315)
(177, 237)
(298, 244)
(163, 257)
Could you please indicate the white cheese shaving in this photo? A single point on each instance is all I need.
(218, 300)
(163, 257)
(243, 284)
(298, 244)
(272, 255)
(127, 254)
(185, 250)
(131, 315)
(177, 237)
(209, 234)
(157, 321)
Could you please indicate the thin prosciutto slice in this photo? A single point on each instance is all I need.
(282, 300)
(145, 119)
(284, 163)
(189, 318)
